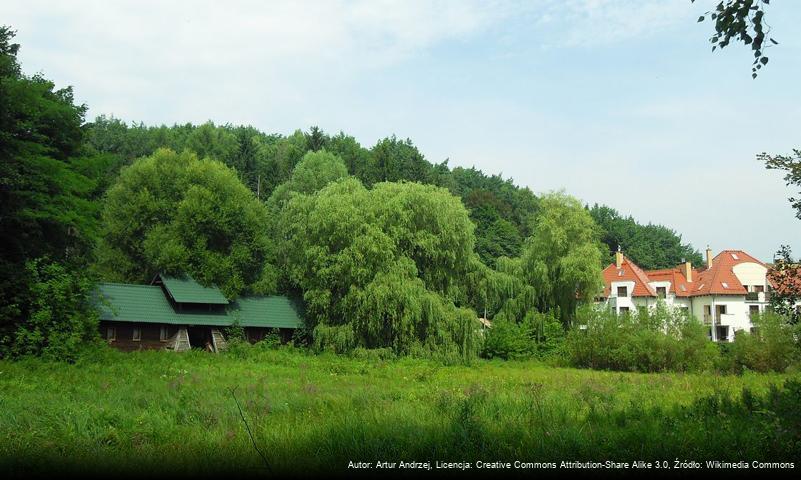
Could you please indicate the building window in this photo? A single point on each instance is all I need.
(111, 334)
(661, 292)
(624, 310)
(753, 310)
(137, 334)
(759, 288)
(622, 292)
(163, 334)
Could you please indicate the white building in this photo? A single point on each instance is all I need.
(724, 295)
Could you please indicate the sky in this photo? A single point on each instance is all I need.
(619, 102)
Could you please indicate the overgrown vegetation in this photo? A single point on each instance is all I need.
(646, 341)
(158, 412)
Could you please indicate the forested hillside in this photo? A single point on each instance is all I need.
(387, 249)
(502, 211)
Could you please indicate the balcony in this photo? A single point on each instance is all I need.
(720, 319)
(757, 297)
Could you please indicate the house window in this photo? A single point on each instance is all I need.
(753, 310)
(137, 334)
(163, 334)
(111, 334)
(624, 310)
(661, 292)
(622, 292)
(759, 288)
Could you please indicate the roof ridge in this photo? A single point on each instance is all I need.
(638, 272)
(127, 284)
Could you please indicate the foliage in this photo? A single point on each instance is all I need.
(313, 172)
(785, 275)
(790, 164)
(62, 317)
(502, 211)
(648, 341)
(561, 261)
(650, 246)
(47, 190)
(381, 267)
(174, 213)
(742, 20)
(772, 346)
(539, 334)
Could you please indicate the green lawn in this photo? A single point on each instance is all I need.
(140, 411)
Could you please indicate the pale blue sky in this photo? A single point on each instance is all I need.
(618, 102)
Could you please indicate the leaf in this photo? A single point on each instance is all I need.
(753, 75)
(764, 60)
(700, 19)
(774, 41)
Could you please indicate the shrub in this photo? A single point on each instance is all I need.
(649, 341)
(538, 334)
(62, 315)
(773, 346)
(271, 340)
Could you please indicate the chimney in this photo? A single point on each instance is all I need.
(618, 257)
(688, 271)
(708, 257)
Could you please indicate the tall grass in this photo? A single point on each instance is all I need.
(164, 412)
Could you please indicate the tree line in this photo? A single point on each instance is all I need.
(387, 249)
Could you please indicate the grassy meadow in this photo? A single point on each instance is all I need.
(166, 412)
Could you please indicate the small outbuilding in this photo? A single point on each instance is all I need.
(177, 313)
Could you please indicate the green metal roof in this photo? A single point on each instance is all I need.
(185, 289)
(148, 304)
(281, 311)
(141, 303)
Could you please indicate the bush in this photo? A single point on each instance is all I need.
(652, 341)
(772, 347)
(538, 334)
(271, 340)
(62, 314)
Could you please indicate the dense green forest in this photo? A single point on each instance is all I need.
(387, 249)
(502, 211)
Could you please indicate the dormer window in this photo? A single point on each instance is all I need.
(661, 292)
(622, 292)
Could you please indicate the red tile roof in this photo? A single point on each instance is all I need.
(705, 281)
(628, 272)
(678, 282)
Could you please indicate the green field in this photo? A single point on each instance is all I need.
(167, 412)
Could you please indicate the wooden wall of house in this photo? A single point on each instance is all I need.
(256, 334)
(150, 335)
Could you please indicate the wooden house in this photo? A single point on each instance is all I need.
(177, 313)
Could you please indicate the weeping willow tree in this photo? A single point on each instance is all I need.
(562, 260)
(382, 268)
(560, 265)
